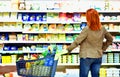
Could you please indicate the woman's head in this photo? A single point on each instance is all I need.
(93, 21)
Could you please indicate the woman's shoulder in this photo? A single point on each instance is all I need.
(103, 28)
(85, 28)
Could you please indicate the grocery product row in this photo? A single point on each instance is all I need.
(48, 53)
(109, 72)
(37, 37)
(111, 58)
(111, 26)
(51, 28)
(39, 48)
(72, 59)
(53, 16)
(42, 37)
(104, 72)
(41, 5)
(114, 46)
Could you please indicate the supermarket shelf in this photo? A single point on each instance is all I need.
(20, 51)
(60, 10)
(9, 20)
(113, 30)
(67, 64)
(113, 50)
(51, 22)
(8, 64)
(109, 64)
(54, 32)
(109, 50)
(57, 22)
(12, 30)
(28, 51)
(35, 41)
(41, 41)
(110, 21)
(16, 51)
(105, 21)
(77, 64)
(38, 22)
(109, 11)
(32, 51)
(116, 40)
(34, 32)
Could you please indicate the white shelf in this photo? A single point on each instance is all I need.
(104, 21)
(116, 40)
(41, 41)
(56, 22)
(67, 64)
(35, 41)
(109, 64)
(9, 20)
(109, 50)
(112, 50)
(51, 22)
(109, 11)
(8, 64)
(26, 51)
(54, 32)
(17, 51)
(113, 30)
(15, 30)
(77, 64)
(59, 10)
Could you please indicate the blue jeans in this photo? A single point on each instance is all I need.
(90, 64)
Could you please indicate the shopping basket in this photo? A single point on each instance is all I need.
(43, 67)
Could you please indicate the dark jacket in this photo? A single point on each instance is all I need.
(92, 43)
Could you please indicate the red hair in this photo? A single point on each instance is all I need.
(93, 21)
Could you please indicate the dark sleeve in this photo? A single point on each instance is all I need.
(109, 40)
(78, 40)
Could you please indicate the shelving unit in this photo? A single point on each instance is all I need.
(45, 8)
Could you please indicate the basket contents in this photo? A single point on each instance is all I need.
(41, 66)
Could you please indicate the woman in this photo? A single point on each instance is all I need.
(91, 44)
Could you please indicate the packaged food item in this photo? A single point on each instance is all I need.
(35, 27)
(43, 27)
(76, 27)
(62, 37)
(52, 27)
(69, 27)
(76, 17)
(62, 17)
